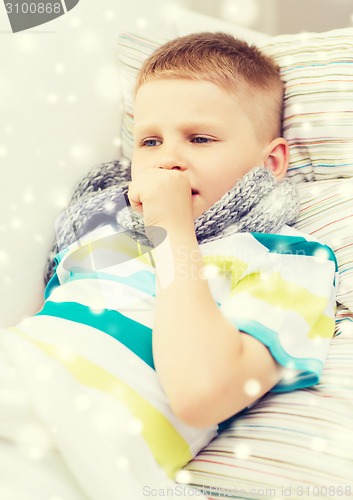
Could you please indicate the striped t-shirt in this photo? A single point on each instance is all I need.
(279, 288)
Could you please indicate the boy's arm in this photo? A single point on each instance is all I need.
(208, 369)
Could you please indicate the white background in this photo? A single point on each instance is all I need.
(279, 16)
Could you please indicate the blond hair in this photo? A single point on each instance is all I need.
(231, 64)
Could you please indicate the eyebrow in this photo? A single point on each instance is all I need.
(146, 127)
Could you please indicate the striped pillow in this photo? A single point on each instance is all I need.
(326, 212)
(321, 144)
(317, 70)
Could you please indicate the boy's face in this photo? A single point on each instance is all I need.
(198, 128)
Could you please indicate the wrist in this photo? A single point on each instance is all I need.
(177, 258)
(177, 234)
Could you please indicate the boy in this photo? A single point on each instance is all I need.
(234, 312)
(195, 136)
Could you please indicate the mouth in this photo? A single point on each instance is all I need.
(194, 192)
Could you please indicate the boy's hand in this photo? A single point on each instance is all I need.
(164, 196)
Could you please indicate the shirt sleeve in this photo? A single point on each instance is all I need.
(287, 300)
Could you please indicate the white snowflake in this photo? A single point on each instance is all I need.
(242, 451)
(82, 402)
(135, 426)
(122, 463)
(252, 387)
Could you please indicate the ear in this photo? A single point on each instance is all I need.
(276, 157)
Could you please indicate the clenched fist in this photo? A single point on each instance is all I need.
(165, 198)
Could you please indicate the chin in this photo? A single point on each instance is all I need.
(200, 209)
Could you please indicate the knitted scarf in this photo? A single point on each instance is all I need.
(257, 203)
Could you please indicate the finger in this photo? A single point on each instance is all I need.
(134, 197)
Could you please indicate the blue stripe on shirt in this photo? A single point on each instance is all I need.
(133, 335)
(295, 245)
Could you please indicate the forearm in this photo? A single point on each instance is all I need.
(194, 345)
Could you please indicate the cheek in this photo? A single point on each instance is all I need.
(220, 189)
(215, 194)
(215, 184)
(227, 183)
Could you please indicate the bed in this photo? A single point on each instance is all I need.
(75, 112)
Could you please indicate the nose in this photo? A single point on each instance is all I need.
(171, 159)
(169, 163)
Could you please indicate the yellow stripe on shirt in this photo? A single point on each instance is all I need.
(168, 447)
(273, 289)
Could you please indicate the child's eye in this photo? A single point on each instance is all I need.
(150, 143)
(201, 139)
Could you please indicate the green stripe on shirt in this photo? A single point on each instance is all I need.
(133, 335)
(295, 245)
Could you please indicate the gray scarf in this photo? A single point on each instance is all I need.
(257, 203)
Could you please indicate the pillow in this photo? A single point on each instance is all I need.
(326, 212)
(318, 106)
(133, 50)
